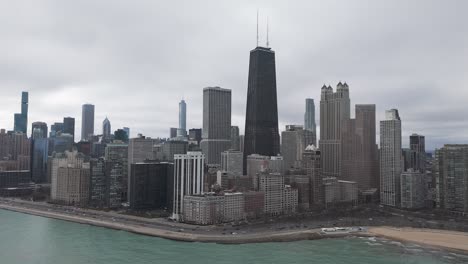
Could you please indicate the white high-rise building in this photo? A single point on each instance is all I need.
(188, 179)
(390, 159)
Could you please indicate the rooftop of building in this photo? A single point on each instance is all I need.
(216, 88)
(265, 49)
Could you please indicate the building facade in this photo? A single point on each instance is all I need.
(70, 177)
(139, 150)
(216, 134)
(231, 161)
(261, 123)
(118, 153)
(413, 189)
(293, 144)
(334, 110)
(69, 126)
(21, 119)
(312, 164)
(188, 179)
(172, 147)
(390, 159)
(258, 163)
(451, 177)
(106, 129)
(39, 130)
(87, 122)
(235, 144)
(150, 185)
(309, 119)
(360, 156)
(195, 134)
(203, 209)
(182, 130)
(418, 153)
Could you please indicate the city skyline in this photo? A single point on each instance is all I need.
(62, 93)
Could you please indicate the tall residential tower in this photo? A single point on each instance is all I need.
(390, 159)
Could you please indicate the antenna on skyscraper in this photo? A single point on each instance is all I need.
(267, 41)
(257, 27)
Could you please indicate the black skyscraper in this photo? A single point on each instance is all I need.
(261, 123)
(69, 126)
(21, 119)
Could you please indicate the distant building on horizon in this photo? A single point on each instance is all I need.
(216, 133)
(182, 130)
(39, 130)
(195, 134)
(261, 123)
(87, 122)
(69, 126)
(235, 140)
(106, 129)
(309, 119)
(418, 152)
(21, 119)
(55, 129)
(39, 152)
(127, 130)
(390, 159)
(172, 132)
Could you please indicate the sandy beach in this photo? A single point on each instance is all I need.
(450, 240)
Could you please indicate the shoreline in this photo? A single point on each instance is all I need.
(453, 241)
(263, 237)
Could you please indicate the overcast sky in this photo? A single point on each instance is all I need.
(135, 60)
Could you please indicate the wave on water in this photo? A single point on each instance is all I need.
(396, 243)
(373, 244)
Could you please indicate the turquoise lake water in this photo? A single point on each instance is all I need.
(32, 239)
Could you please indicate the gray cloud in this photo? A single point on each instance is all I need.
(135, 60)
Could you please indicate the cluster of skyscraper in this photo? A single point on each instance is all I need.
(213, 174)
